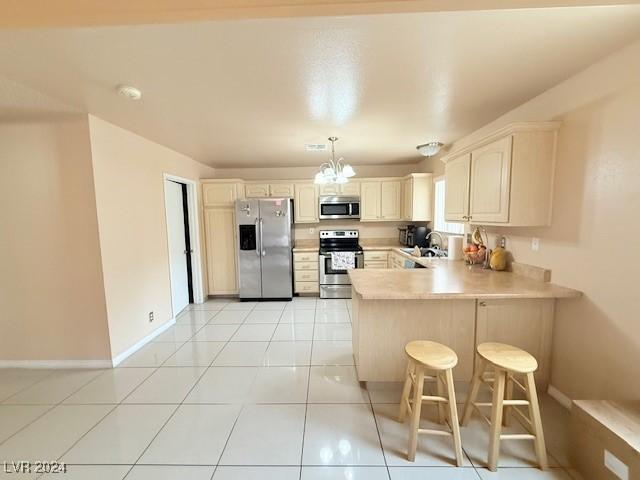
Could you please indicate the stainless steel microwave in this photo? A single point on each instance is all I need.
(336, 207)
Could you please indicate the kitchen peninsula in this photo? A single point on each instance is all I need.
(451, 303)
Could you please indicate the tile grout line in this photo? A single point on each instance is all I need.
(179, 405)
(205, 370)
(53, 405)
(306, 405)
(156, 368)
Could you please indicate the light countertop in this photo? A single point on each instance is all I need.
(450, 279)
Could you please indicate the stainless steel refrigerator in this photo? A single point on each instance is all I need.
(265, 236)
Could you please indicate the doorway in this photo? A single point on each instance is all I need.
(182, 242)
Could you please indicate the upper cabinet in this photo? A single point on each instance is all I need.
(417, 197)
(390, 199)
(490, 182)
(380, 200)
(306, 202)
(456, 200)
(350, 188)
(281, 190)
(221, 193)
(505, 179)
(264, 190)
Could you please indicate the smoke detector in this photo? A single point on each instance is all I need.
(129, 92)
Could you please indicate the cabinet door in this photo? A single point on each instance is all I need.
(491, 182)
(281, 190)
(350, 188)
(221, 250)
(407, 199)
(456, 201)
(369, 201)
(391, 199)
(219, 194)
(256, 190)
(306, 203)
(330, 189)
(523, 323)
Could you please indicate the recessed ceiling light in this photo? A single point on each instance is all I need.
(130, 92)
(429, 149)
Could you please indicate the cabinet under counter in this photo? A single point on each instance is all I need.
(452, 304)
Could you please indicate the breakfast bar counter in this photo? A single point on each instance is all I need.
(448, 279)
(451, 303)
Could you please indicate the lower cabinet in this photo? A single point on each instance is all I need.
(305, 272)
(221, 251)
(375, 258)
(523, 323)
(396, 260)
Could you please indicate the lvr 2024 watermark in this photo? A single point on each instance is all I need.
(23, 466)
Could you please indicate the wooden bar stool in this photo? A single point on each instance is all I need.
(439, 359)
(507, 362)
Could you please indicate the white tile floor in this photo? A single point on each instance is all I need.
(242, 391)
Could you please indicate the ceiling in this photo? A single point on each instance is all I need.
(251, 93)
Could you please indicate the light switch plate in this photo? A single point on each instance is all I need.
(617, 466)
(535, 244)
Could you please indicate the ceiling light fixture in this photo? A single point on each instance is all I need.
(130, 92)
(429, 149)
(334, 171)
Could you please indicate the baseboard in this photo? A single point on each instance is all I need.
(55, 364)
(71, 364)
(559, 397)
(141, 343)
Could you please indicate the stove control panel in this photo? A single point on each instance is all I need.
(339, 234)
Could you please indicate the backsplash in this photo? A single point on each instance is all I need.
(304, 231)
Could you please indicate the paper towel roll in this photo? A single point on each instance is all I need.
(455, 247)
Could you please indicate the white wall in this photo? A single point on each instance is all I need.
(128, 173)
(52, 304)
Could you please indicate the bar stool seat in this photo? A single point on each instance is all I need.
(433, 355)
(508, 357)
(507, 363)
(439, 360)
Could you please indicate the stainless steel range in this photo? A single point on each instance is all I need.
(335, 283)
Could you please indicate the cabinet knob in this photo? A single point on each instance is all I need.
(482, 304)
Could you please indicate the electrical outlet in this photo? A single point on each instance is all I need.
(615, 465)
(503, 241)
(312, 231)
(150, 317)
(535, 244)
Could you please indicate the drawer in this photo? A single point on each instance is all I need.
(306, 276)
(375, 264)
(305, 257)
(306, 265)
(375, 255)
(307, 287)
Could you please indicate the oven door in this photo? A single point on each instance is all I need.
(329, 276)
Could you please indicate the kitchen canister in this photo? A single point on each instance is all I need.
(455, 243)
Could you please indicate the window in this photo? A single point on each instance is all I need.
(439, 223)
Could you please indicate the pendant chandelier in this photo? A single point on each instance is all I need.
(334, 171)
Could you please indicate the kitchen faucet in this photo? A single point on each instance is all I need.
(437, 252)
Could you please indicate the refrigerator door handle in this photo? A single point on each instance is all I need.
(261, 249)
(259, 232)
